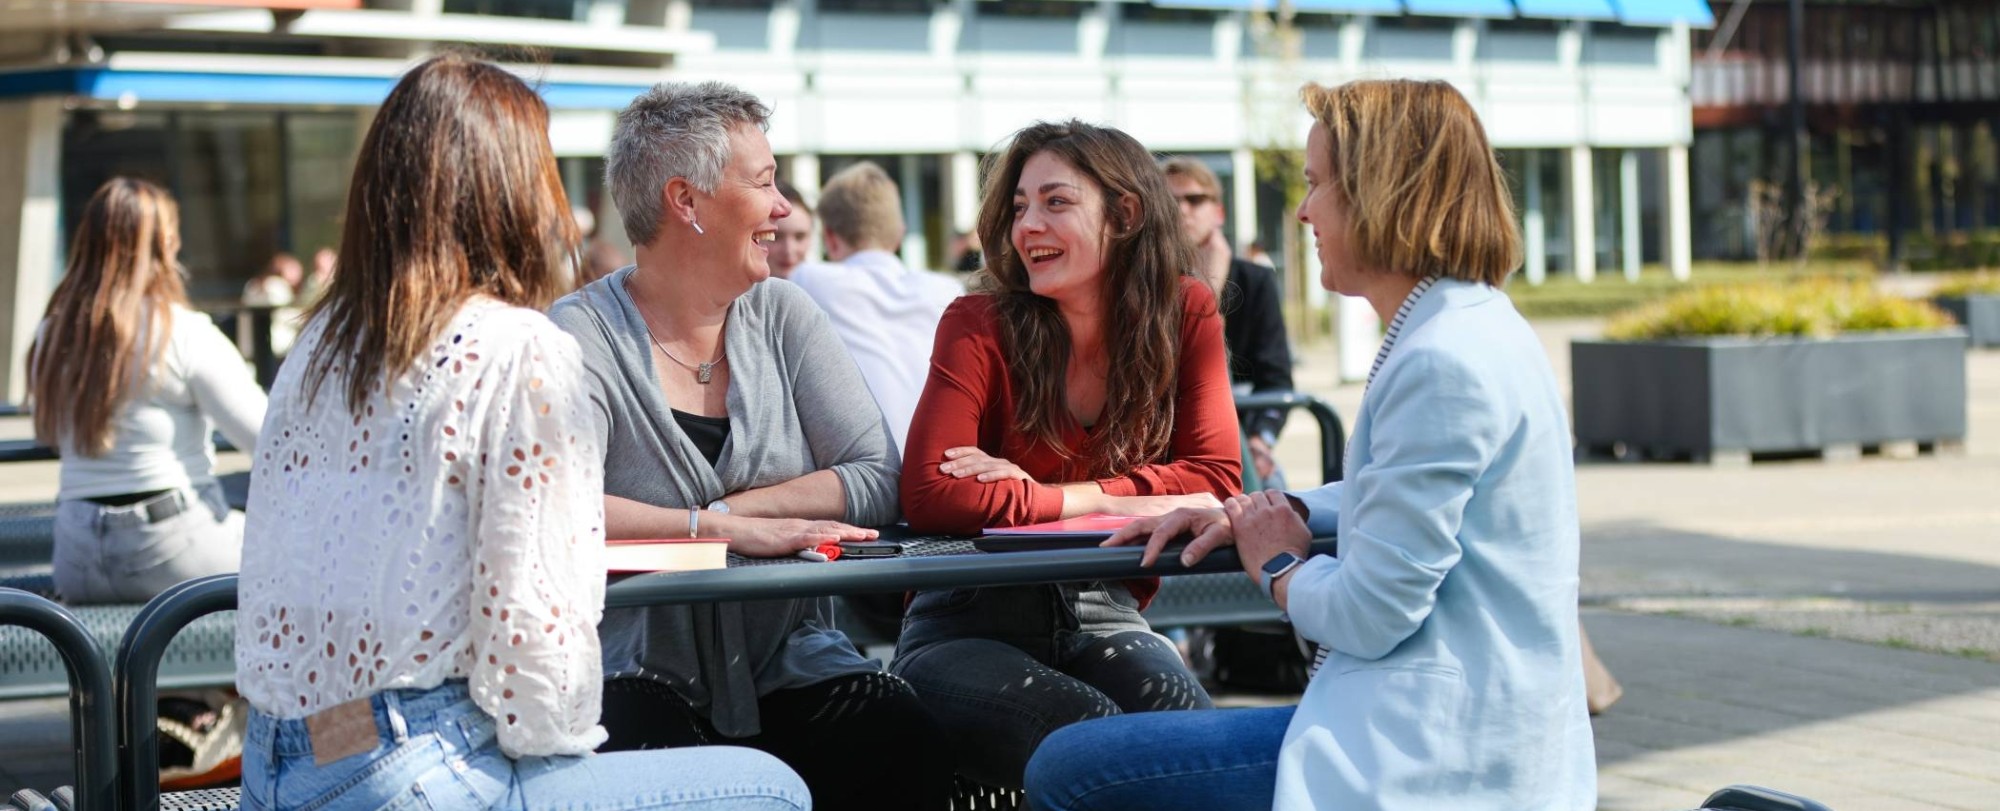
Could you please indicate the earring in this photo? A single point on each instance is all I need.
(696, 226)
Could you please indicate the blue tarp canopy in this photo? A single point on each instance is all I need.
(1461, 8)
(1664, 12)
(1568, 9)
(1322, 6)
(146, 86)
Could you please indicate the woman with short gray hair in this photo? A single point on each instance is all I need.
(728, 409)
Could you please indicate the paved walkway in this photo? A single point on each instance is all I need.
(1829, 629)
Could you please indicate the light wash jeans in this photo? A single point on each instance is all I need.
(439, 751)
(1205, 760)
(118, 555)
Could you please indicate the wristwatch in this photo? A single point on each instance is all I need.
(718, 506)
(1277, 567)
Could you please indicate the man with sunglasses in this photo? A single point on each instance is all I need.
(1253, 323)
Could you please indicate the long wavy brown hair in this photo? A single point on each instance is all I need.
(1145, 257)
(108, 323)
(455, 194)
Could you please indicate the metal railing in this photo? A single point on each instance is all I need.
(93, 720)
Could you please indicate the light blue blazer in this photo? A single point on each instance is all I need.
(1454, 677)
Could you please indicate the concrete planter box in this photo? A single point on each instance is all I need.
(1979, 314)
(1725, 398)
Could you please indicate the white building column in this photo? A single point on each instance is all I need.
(1534, 225)
(805, 177)
(1680, 220)
(1628, 212)
(1582, 214)
(962, 187)
(30, 230)
(916, 249)
(1243, 186)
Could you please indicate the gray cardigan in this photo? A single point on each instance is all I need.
(797, 404)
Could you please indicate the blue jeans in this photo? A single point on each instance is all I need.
(1003, 667)
(1205, 760)
(437, 750)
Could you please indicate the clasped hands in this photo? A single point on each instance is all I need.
(971, 462)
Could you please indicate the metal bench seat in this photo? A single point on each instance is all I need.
(203, 655)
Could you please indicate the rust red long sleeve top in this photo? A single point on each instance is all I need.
(969, 400)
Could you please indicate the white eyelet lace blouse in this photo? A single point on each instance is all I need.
(455, 529)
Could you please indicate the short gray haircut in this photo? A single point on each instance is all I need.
(676, 129)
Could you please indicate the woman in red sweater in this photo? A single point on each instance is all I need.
(1090, 378)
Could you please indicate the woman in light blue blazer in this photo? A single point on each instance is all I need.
(1449, 671)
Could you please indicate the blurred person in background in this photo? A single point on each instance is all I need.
(884, 311)
(795, 234)
(419, 597)
(1253, 320)
(278, 286)
(129, 384)
(319, 278)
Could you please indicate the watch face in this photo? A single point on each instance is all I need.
(1279, 563)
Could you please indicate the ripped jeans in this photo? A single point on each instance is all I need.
(1005, 666)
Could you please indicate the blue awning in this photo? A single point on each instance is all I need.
(1568, 9)
(144, 86)
(1461, 8)
(1320, 6)
(1665, 12)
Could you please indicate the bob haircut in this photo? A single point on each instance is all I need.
(1424, 193)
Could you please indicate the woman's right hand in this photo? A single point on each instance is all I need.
(784, 537)
(1210, 528)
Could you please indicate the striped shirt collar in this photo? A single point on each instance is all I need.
(1396, 325)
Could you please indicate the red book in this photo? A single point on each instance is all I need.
(1093, 524)
(665, 555)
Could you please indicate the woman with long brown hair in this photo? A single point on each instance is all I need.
(1090, 379)
(424, 569)
(129, 384)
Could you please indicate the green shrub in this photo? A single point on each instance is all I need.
(1809, 309)
(1970, 284)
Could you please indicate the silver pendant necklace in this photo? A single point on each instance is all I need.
(704, 372)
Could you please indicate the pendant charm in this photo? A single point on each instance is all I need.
(704, 373)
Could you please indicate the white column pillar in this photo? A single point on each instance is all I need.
(605, 14)
(787, 19)
(30, 230)
(1243, 185)
(963, 177)
(1534, 226)
(1628, 212)
(805, 177)
(1353, 42)
(916, 249)
(1582, 214)
(1680, 220)
(947, 22)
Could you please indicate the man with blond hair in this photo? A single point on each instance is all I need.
(885, 311)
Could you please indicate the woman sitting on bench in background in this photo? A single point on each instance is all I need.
(128, 383)
(1091, 379)
(424, 566)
